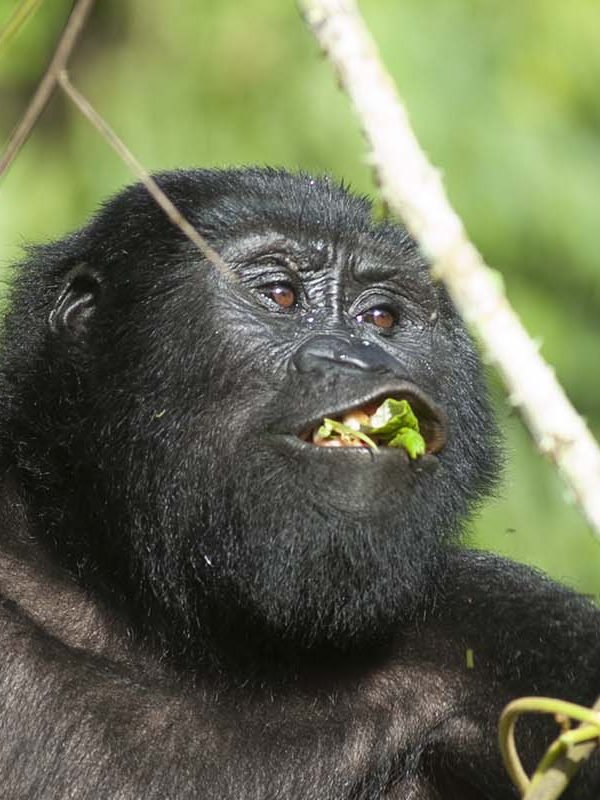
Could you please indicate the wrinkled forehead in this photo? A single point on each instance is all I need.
(317, 223)
(358, 256)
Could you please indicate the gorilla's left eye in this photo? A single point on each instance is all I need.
(282, 294)
(381, 316)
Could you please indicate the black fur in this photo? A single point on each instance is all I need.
(198, 605)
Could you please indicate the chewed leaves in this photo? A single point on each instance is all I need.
(393, 424)
(332, 428)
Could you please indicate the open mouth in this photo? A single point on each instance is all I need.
(405, 419)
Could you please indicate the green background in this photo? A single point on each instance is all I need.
(504, 97)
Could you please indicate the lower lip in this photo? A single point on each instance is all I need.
(396, 454)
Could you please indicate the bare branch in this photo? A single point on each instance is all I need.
(413, 188)
(151, 185)
(17, 19)
(48, 83)
(56, 73)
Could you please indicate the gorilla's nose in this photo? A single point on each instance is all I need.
(324, 353)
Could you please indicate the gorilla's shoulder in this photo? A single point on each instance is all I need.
(492, 576)
(517, 620)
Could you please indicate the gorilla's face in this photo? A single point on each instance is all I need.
(203, 392)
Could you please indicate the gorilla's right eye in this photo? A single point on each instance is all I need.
(281, 294)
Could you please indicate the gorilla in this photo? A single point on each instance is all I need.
(199, 597)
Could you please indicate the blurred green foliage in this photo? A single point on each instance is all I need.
(504, 96)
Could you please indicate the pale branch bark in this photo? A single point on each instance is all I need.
(414, 190)
(136, 167)
(46, 87)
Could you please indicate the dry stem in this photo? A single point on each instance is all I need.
(46, 87)
(151, 185)
(56, 73)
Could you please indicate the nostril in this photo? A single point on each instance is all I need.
(324, 353)
(320, 352)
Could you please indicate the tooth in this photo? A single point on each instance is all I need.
(354, 419)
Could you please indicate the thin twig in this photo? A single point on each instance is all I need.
(151, 185)
(48, 83)
(17, 19)
(56, 73)
(413, 188)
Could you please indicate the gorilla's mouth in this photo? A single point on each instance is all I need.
(431, 419)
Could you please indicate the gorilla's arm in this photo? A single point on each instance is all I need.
(527, 636)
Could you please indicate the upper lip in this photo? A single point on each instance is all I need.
(432, 420)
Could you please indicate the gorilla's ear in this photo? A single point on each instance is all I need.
(76, 303)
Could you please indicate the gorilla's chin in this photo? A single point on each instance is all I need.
(343, 591)
(340, 568)
(356, 481)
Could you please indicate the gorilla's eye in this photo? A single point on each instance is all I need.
(282, 294)
(381, 317)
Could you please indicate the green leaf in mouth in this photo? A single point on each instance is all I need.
(331, 428)
(393, 424)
